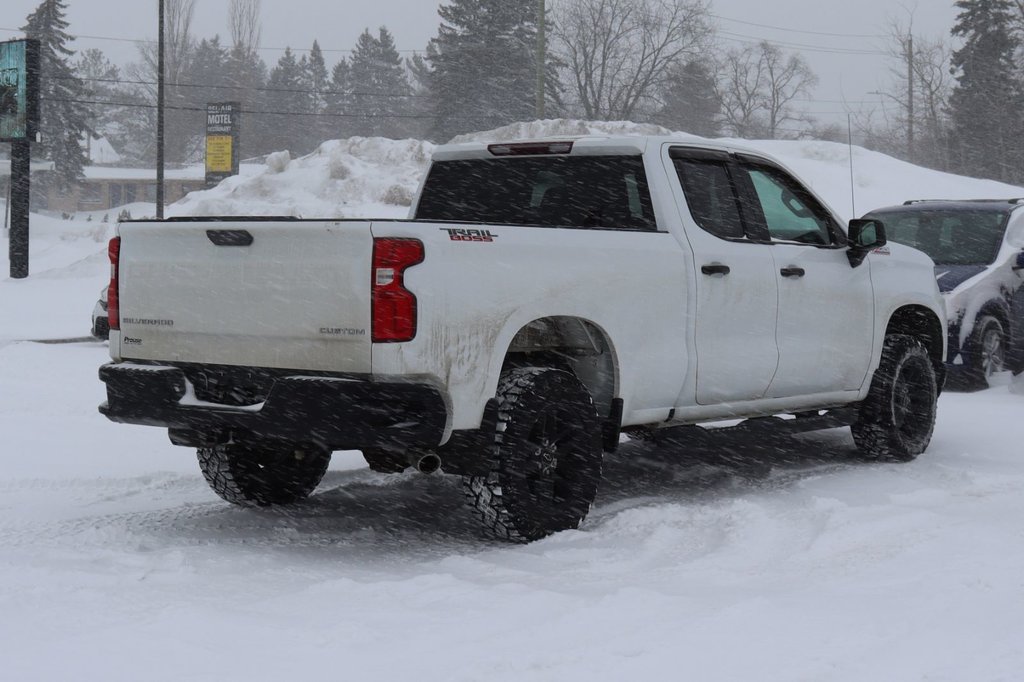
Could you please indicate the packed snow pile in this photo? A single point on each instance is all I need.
(377, 177)
(879, 179)
(354, 178)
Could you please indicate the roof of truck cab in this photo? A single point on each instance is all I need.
(589, 145)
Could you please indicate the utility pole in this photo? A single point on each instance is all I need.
(910, 97)
(541, 57)
(160, 119)
(20, 183)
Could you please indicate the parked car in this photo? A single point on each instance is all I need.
(100, 322)
(978, 249)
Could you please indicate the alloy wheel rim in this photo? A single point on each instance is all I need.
(992, 353)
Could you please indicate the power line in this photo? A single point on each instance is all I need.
(810, 48)
(753, 40)
(797, 30)
(142, 105)
(239, 87)
(139, 41)
(808, 100)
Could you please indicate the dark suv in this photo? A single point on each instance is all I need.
(978, 249)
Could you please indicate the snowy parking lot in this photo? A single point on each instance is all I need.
(791, 562)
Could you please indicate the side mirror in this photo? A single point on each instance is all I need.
(865, 237)
(1019, 264)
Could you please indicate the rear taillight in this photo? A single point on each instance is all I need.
(113, 300)
(394, 306)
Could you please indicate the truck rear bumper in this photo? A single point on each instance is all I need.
(338, 411)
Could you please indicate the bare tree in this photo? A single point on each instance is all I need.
(246, 29)
(619, 52)
(178, 41)
(759, 86)
(179, 46)
(741, 90)
(787, 77)
(178, 35)
(919, 86)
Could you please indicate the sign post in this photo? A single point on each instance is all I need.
(222, 127)
(19, 125)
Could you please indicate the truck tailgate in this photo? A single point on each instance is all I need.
(296, 297)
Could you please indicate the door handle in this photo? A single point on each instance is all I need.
(792, 272)
(230, 237)
(715, 269)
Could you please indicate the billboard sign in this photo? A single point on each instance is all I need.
(222, 127)
(19, 90)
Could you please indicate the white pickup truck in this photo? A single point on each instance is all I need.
(543, 297)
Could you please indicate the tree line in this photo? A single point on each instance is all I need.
(657, 61)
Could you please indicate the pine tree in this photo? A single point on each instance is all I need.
(482, 66)
(64, 116)
(338, 101)
(318, 82)
(287, 103)
(691, 101)
(378, 85)
(100, 77)
(205, 79)
(247, 76)
(393, 84)
(986, 103)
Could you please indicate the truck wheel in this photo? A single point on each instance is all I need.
(898, 416)
(262, 474)
(547, 457)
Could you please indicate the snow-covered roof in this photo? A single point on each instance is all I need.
(100, 150)
(196, 173)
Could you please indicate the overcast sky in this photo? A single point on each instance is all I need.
(337, 24)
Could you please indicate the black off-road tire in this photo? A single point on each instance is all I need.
(989, 352)
(263, 474)
(385, 461)
(897, 418)
(547, 457)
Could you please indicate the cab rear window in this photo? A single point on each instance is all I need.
(607, 192)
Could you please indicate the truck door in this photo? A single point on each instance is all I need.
(826, 307)
(736, 284)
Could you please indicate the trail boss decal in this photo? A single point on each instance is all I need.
(459, 235)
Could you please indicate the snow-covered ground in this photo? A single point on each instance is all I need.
(791, 561)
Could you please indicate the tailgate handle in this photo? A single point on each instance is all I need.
(230, 237)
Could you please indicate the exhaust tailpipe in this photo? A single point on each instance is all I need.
(428, 464)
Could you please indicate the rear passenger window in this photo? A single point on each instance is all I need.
(710, 195)
(606, 192)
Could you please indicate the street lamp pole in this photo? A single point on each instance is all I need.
(541, 57)
(160, 119)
